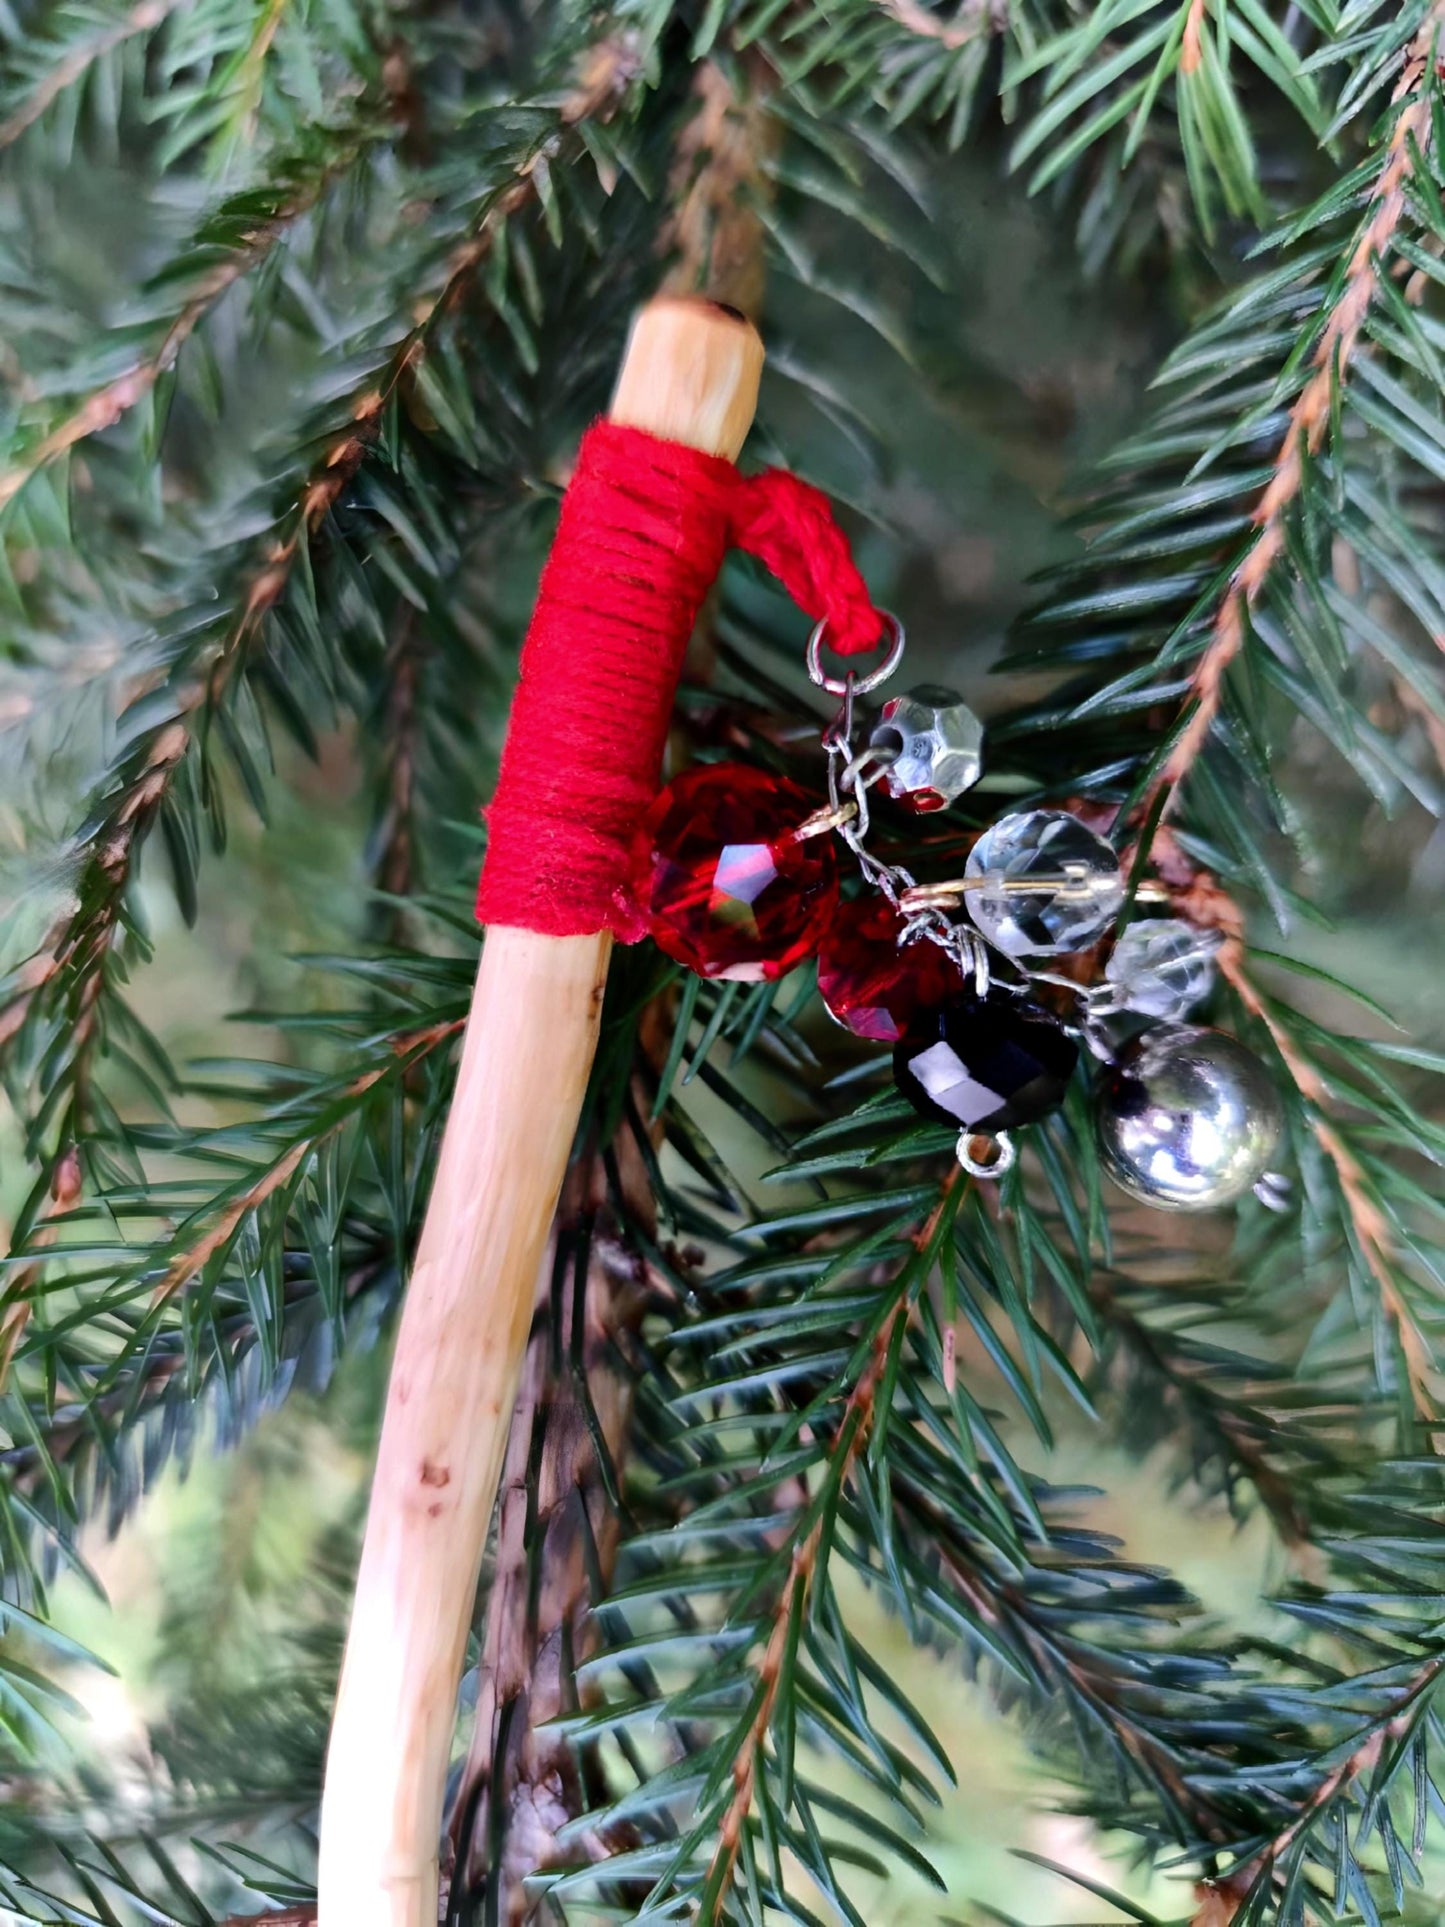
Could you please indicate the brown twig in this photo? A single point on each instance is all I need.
(1201, 898)
(81, 943)
(105, 407)
(1369, 1223)
(141, 19)
(718, 186)
(974, 19)
(854, 1425)
(1222, 1899)
(1191, 46)
(62, 1195)
(411, 1047)
(291, 1917)
(556, 1534)
(1310, 416)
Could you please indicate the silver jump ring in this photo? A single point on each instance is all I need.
(836, 686)
(868, 766)
(1006, 1151)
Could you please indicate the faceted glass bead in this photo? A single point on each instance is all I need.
(985, 1064)
(1047, 918)
(725, 886)
(1162, 968)
(936, 743)
(871, 985)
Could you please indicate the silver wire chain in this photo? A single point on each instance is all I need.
(851, 774)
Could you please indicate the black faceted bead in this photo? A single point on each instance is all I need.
(985, 1064)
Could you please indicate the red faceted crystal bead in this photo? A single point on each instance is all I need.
(871, 985)
(725, 887)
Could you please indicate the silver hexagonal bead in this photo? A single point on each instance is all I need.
(936, 745)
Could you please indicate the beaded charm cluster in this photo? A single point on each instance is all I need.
(737, 877)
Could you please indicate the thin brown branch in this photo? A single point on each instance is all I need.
(855, 1424)
(1221, 1900)
(292, 1917)
(62, 1195)
(719, 185)
(106, 406)
(974, 19)
(1191, 47)
(1202, 899)
(411, 1047)
(1369, 1223)
(1310, 416)
(140, 19)
(557, 1536)
(82, 944)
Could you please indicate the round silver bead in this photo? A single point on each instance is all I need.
(1188, 1119)
(1162, 967)
(1044, 884)
(934, 743)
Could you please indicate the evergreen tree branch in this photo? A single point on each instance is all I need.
(248, 242)
(854, 1426)
(1245, 1440)
(1339, 336)
(1411, 1702)
(78, 60)
(74, 964)
(1369, 1222)
(408, 1050)
(972, 20)
(1201, 897)
(852, 1437)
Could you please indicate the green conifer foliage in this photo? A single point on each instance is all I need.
(303, 307)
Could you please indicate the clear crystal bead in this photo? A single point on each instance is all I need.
(1162, 968)
(1052, 885)
(936, 745)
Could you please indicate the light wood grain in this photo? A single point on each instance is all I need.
(690, 374)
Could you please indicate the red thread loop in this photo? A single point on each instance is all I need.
(788, 525)
(643, 530)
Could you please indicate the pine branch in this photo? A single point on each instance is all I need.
(74, 964)
(1369, 1222)
(78, 61)
(408, 1050)
(243, 243)
(1339, 336)
(1202, 898)
(851, 1440)
(1244, 1440)
(973, 20)
(1362, 1759)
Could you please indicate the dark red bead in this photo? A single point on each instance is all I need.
(871, 985)
(724, 885)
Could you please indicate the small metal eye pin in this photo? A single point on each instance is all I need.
(1072, 884)
(989, 1169)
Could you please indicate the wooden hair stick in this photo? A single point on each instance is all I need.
(690, 375)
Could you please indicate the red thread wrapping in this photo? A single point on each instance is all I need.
(642, 534)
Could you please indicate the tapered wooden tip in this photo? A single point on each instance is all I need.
(690, 374)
